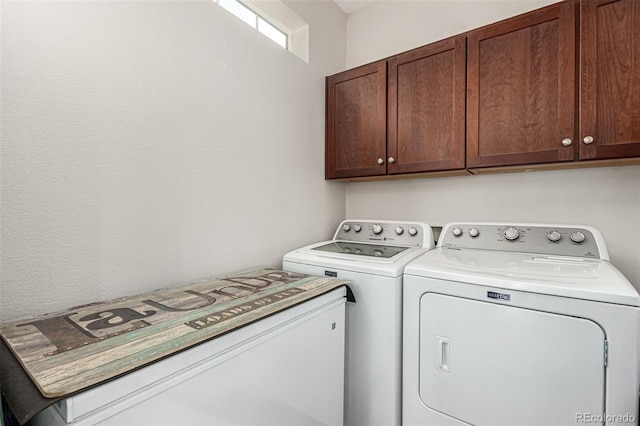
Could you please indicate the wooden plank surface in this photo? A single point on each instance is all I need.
(67, 351)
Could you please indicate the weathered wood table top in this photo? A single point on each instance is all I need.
(74, 349)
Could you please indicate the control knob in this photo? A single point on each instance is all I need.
(377, 229)
(473, 232)
(413, 231)
(346, 227)
(577, 237)
(399, 230)
(554, 236)
(456, 232)
(357, 228)
(511, 234)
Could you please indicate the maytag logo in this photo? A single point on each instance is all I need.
(498, 296)
(331, 274)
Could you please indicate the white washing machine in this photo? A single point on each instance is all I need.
(372, 254)
(519, 324)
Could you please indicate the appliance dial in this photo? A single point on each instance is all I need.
(357, 228)
(473, 232)
(413, 231)
(346, 227)
(554, 236)
(377, 229)
(456, 232)
(511, 234)
(577, 237)
(399, 230)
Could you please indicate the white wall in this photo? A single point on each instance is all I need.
(607, 198)
(388, 27)
(147, 144)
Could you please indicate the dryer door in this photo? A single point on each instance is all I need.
(490, 364)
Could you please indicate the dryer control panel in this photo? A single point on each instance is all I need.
(407, 234)
(561, 240)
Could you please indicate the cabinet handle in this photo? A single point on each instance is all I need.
(588, 140)
(380, 161)
(391, 160)
(567, 142)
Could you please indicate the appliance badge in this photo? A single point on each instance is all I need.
(498, 296)
(331, 274)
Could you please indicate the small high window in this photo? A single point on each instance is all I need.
(274, 20)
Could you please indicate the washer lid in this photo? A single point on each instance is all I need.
(359, 249)
(589, 279)
(390, 265)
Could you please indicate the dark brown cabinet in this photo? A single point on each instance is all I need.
(356, 122)
(425, 109)
(521, 89)
(557, 85)
(401, 115)
(609, 79)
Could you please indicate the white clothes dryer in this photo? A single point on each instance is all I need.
(373, 254)
(519, 324)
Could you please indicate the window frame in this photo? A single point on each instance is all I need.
(282, 19)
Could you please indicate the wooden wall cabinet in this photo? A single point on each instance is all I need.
(523, 84)
(426, 107)
(521, 89)
(609, 79)
(557, 85)
(401, 115)
(356, 122)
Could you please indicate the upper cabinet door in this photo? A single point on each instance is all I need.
(521, 89)
(356, 122)
(610, 79)
(426, 107)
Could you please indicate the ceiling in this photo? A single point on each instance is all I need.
(349, 6)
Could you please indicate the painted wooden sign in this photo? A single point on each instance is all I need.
(71, 350)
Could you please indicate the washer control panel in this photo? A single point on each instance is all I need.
(543, 239)
(408, 234)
